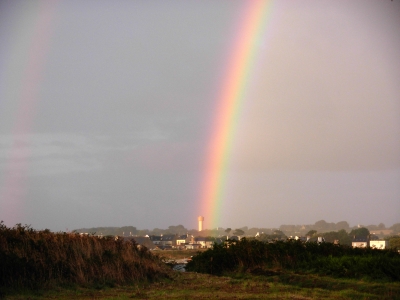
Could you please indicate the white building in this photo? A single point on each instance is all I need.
(379, 244)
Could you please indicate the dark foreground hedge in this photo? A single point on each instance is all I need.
(325, 258)
(30, 258)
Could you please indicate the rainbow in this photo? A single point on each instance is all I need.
(230, 99)
(12, 190)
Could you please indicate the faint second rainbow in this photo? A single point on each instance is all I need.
(241, 61)
(13, 183)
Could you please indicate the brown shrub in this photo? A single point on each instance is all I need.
(30, 258)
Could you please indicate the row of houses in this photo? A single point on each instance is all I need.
(173, 241)
(364, 242)
(371, 241)
(186, 241)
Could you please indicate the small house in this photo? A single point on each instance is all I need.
(379, 244)
(360, 242)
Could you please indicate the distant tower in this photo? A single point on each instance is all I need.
(200, 219)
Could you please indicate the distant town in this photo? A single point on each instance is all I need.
(180, 238)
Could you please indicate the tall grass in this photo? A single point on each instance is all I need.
(326, 258)
(30, 258)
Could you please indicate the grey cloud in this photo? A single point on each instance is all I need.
(122, 121)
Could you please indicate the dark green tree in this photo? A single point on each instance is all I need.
(179, 229)
(278, 234)
(311, 233)
(344, 238)
(395, 227)
(331, 236)
(394, 243)
(321, 225)
(342, 225)
(359, 232)
(238, 232)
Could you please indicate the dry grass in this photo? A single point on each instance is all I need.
(202, 286)
(33, 259)
(178, 254)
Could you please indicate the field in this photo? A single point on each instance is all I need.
(188, 285)
(273, 284)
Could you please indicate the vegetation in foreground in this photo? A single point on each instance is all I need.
(32, 259)
(310, 258)
(86, 267)
(189, 285)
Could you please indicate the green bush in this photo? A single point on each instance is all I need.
(324, 258)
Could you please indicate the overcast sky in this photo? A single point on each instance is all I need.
(106, 110)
